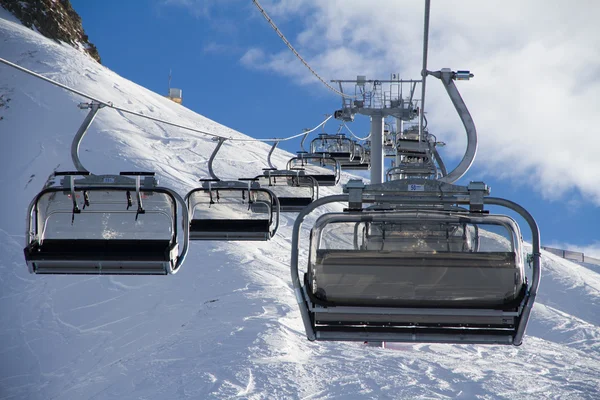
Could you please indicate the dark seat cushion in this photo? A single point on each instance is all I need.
(339, 155)
(294, 201)
(321, 179)
(99, 249)
(230, 225)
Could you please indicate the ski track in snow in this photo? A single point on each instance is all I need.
(227, 325)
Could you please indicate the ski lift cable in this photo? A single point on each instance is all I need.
(289, 45)
(304, 133)
(356, 137)
(124, 110)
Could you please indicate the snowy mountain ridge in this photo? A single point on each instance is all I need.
(227, 325)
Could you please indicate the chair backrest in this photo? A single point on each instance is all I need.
(105, 213)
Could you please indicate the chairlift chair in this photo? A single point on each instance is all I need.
(389, 140)
(232, 210)
(105, 224)
(416, 169)
(322, 167)
(423, 270)
(294, 190)
(337, 146)
(361, 159)
(415, 158)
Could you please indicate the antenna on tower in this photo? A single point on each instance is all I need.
(174, 94)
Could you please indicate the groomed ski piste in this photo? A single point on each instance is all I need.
(227, 325)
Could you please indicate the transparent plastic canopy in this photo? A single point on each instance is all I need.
(416, 259)
(293, 189)
(323, 168)
(111, 214)
(108, 224)
(337, 146)
(232, 211)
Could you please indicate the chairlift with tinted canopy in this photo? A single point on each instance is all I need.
(232, 210)
(360, 160)
(417, 267)
(416, 158)
(105, 225)
(337, 146)
(294, 190)
(322, 167)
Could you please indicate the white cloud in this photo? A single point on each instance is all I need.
(219, 48)
(253, 58)
(200, 8)
(534, 98)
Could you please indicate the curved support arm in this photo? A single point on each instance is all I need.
(270, 154)
(438, 159)
(535, 244)
(296, 282)
(304, 139)
(94, 107)
(277, 209)
(186, 232)
(315, 185)
(447, 78)
(212, 158)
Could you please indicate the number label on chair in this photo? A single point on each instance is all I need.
(416, 188)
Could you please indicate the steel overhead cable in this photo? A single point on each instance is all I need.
(306, 132)
(289, 45)
(356, 137)
(124, 110)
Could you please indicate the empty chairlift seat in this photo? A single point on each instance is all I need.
(322, 167)
(293, 188)
(360, 161)
(336, 146)
(107, 224)
(232, 210)
(415, 276)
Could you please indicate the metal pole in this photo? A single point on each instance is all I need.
(94, 107)
(447, 78)
(270, 154)
(212, 158)
(399, 131)
(377, 149)
(424, 70)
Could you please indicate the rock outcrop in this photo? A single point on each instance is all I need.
(55, 19)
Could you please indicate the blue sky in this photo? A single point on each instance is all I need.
(532, 98)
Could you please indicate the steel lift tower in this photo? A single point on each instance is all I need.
(379, 99)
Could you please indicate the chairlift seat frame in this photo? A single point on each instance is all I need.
(317, 144)
(501, 320)
(287, 202)
(250, 229)
(323, 179)
(112, 256)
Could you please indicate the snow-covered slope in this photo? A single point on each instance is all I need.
(227, 324)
